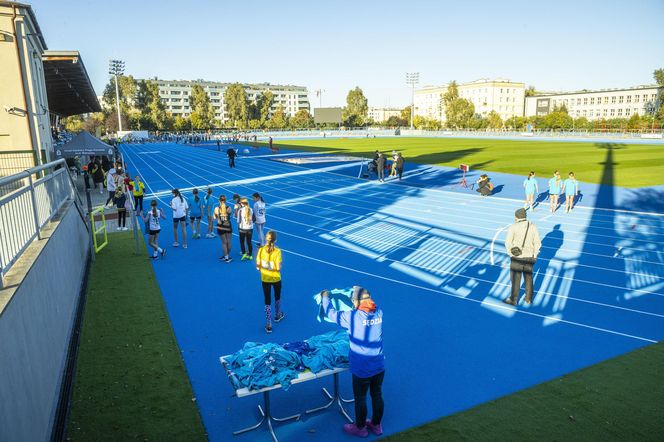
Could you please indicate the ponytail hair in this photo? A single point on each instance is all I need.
(177, 193)
(154, 207)
(258, 196)
(270, 238)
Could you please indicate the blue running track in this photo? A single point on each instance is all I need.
(434, 261)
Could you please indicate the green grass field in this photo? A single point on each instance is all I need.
(638, 165)
(130, 379)
(131, 383)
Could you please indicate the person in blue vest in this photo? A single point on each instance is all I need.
(367, 363)
(530, 186)
(571, 189)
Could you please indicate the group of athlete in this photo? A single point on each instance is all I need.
(569, 187)
(221, 216)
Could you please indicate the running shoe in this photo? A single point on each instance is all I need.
(359, 432)
(279, 317)
(184, 246)
(175, 244)
(163, 252)
(375, 429)
(228, 259)
(268, 328)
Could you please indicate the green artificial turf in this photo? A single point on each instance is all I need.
(621, 399)
(638, 165)
(130, 380)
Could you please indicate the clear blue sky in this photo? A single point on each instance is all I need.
(335, 46)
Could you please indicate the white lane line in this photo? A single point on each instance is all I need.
(493, 240)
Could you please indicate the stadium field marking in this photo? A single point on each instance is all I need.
(361, 201)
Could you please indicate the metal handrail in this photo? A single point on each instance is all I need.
(30, 206)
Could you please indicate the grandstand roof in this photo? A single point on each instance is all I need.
(68, 86)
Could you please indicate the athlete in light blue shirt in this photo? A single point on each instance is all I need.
(555, 184)
(195, 210)
(531, 188)
(208, 211)
(571, 188)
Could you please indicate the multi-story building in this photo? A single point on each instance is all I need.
(175, 96)
(502, 96)
(382, 114)
(598, 104)
(428, 102)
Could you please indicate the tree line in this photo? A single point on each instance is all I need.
(142, 109)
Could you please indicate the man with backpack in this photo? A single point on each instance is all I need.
(523, 245)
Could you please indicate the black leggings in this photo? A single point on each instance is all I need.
(360, 387)
(245, 236)
(138, 203)
(122, 218)
(266, 291)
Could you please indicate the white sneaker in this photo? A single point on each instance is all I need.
(175, 244)
(118, 228)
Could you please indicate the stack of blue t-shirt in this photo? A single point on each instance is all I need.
(259, 365)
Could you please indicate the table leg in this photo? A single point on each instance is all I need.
(334, 398)
(267, 417)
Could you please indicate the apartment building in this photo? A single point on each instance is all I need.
(175, 96)
(382, 114)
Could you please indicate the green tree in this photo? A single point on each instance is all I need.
(405, 116)
(264, 103)
(494, 121)
(237, 108)
(302, 119)
(181, 123)
(530, 91)
(397, 121)
(582, 123)
(356, 110)
(556, 120)
(658, 75)
(516, 123)
(458, 111)
(202, 112)
(279, 119)
(255, 124)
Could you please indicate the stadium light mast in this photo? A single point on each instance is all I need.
(115, 68)
(412, 78)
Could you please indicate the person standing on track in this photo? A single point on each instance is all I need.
(231, 157)
(139, 189)
(268, 262)
(523, 245)
(571, 189)
(245, 225)
(380, 167)
(208, 209)
(180, 209)
(222, 217)
(152, 219)
(555, 184)
(399, 163)
(259, 218)
(531, 188)
(195, 204)
(367, 362)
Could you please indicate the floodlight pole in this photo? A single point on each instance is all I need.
(412, 78)
(115, 68)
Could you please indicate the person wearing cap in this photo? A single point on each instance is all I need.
(364, 324)
(523, 245)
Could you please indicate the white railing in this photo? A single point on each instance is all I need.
(28, 201)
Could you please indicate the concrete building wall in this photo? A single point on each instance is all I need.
(35, 328)
(598, 104)
(24, 116)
